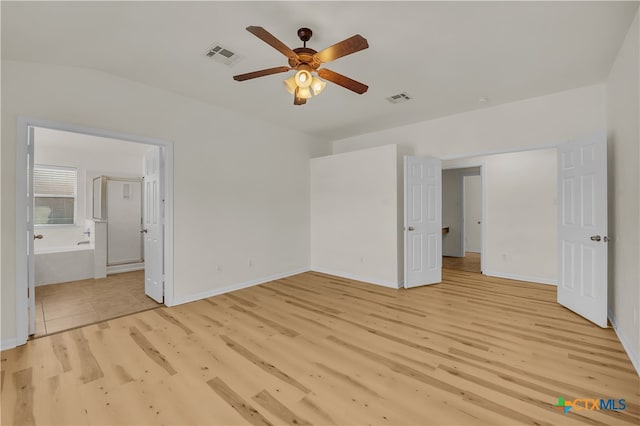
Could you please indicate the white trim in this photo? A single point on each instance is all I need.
(234, 287)
(22, 280)
(501, 151)
(631, 353)
(7, 344)
(536, 280)
(128, 267)
(368, 280)
(22, 332)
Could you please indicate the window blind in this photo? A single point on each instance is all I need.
(54, 190)
(53, 181)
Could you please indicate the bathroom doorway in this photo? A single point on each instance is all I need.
(88, 253)
(77, 272)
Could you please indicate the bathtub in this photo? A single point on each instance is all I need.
(65, 263)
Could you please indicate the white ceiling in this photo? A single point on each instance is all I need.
(446, 55)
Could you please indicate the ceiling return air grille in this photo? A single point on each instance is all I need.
(222, 54)
(399, 98)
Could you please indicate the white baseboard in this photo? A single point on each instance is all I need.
(234, 287)
(356, 277)
(129, 267)
(7, 344)
(631, 353)
(471, 250)
(537, 280)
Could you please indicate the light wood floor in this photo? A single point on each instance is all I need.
(77, 303)
(470, 262)
(317, 349)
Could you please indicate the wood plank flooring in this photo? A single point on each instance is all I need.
(470, 262)
(318, 349)
(73, 304)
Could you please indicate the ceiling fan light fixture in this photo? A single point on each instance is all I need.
(317, 85)
(304, 93)
(303, 79)
(290, 84)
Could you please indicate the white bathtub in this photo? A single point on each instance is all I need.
(61, 264)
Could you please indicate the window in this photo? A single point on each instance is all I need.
(54, 192)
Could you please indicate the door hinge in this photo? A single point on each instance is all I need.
(28, 292)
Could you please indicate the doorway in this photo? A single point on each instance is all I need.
(100, 291)
(462, 218)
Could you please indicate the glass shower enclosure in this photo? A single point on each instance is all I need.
(118, 201)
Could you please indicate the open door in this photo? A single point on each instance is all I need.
(31, 289)
(153, 226)
(582, 227)
(422, 221)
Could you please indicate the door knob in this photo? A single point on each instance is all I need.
(143, 231)
(410, 228)
(38, 237)
(595, 238)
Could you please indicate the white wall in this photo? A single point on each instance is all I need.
(520, 214)
(472, 188)
(241, 188)
(354, 215)
(542, 121)
(623, 113)
(532, 123)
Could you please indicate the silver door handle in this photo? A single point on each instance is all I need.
(595, 238)
(38, 237)
(410, 228)
(143, 231)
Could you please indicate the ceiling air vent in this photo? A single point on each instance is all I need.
(400, 97)
(222, 54)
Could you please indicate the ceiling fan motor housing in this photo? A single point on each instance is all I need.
(305, 57)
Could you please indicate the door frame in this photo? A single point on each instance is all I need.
(24, 122)
(483, 182)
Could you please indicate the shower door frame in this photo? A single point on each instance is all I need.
(104, 207)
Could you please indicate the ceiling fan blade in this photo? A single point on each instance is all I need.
(261, 73)
(343, 81)
(345, 47)
(272, 41)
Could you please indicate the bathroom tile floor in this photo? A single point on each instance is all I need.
(73, 304)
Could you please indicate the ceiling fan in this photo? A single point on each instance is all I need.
(303, 85)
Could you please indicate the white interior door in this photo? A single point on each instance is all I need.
(153, 219)
(31, 295)
(422, 221)
(582, 227)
